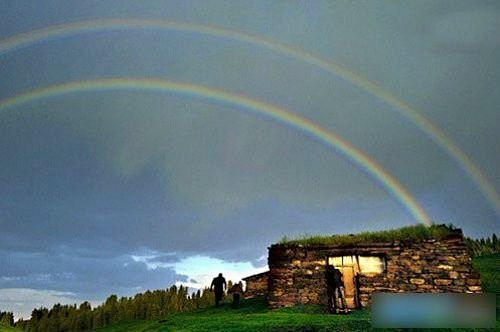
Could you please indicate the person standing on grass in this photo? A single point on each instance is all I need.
(219, 286)
(236, 291)
(335, 290)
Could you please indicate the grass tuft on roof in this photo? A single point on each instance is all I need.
(397, 234)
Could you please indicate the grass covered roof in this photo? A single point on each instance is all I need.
(391, 235)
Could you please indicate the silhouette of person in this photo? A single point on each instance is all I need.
(218, 285)
(335, 290)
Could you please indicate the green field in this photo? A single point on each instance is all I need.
(489, 267)
(8, 329)
(254, 316)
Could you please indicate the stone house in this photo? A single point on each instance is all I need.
(428, 264)
(256, 285)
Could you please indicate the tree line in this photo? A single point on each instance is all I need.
(6, 318)
(483, 246)
(147, 305)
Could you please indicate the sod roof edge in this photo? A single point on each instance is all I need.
(387, 238)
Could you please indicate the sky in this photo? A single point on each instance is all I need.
(120, 190)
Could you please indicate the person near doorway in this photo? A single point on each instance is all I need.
(219, 286)
(335, 290)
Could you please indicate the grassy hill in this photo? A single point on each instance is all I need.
(4, 328)
(254, 316)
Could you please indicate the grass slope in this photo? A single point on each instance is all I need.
(489, 268)
(4, 328)
(253, 315)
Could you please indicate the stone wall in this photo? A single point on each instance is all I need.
(256, 285)
(297, 273)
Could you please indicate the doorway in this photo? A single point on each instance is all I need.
(350, 266)
(346, 265)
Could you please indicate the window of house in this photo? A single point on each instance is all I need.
(371, 264)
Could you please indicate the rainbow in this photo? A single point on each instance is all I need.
(309, 128)
(436, 134)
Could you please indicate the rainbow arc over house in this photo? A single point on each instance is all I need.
(410, 113)
(242, 103)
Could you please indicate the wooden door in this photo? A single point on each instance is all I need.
(350, 289)
(348, 266)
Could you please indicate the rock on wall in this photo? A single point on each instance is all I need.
(424, 266)
(297, 273)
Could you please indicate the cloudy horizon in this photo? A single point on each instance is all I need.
(118, 191)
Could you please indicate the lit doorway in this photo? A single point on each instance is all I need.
(352, 265)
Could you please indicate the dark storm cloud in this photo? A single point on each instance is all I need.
(86, 277)
(185, 201)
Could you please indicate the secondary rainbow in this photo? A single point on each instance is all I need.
(387, 181)
(435, 133)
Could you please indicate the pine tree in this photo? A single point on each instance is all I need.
(150, 304)
(7, 318)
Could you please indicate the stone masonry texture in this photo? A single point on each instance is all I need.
(297, 273)
(256, 285)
